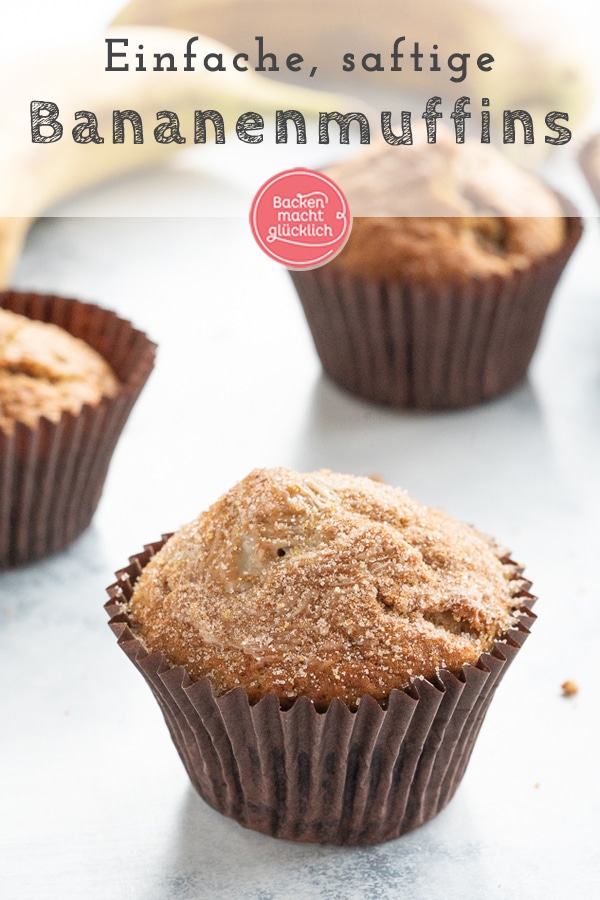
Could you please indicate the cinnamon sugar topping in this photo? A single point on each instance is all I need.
(323, 585)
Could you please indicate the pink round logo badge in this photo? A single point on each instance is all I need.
(300, 218)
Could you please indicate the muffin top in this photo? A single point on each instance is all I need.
(45, 370)
(322, 585)
(468, 212)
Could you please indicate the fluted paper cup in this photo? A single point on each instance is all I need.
(443, 345)
(338, 776)
(52, 475)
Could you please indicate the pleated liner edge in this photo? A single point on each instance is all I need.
(340, 776)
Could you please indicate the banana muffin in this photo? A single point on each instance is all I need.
(323, 586)
(44, 371)
(445, 211)
(438, 298)
(324, 650)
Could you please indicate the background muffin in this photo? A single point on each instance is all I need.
(70, 373)
(313, 620)
(322, 586)
(438, 298)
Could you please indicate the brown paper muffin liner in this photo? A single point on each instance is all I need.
(430, 347)
(338, 776)
(52, 475)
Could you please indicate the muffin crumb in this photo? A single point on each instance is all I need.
(569, 688)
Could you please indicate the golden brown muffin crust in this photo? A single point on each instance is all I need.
(44, 370)
(468, 213)
(322, 585)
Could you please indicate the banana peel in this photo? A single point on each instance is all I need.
(35, 176)
(539, 65)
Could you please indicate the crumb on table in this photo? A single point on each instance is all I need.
(569, 688)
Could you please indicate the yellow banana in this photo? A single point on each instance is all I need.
(539, 64)
(33, 175)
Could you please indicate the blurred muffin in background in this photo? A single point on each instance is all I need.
(44, 370)
(589, 160)
(443, 304)
(70, 373)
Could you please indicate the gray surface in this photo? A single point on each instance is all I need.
(95, 802)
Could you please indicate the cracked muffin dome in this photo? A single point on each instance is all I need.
(44, 370)
(444, 211)
(322, 585)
